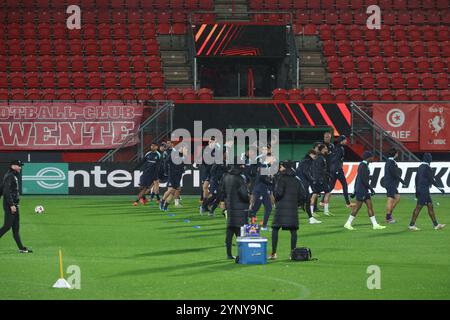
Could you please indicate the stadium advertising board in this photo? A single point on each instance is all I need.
(399, 120)
(122, 178)
(434, 128)
(65, 126)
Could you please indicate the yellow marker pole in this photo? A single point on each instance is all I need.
(61, 265)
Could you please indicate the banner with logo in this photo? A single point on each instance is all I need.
(64, 126)
(400, 121)
(435, 127)
(122, 178)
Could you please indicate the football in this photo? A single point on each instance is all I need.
(39, 209)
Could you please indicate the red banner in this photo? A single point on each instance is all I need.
(400, 121)
(435, 127)
(63, 126)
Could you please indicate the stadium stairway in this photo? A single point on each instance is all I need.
(176, 64)
(313, 71)
(231, 10)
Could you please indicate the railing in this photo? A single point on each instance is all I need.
(369, 133)
(294, 58)
(157, 126)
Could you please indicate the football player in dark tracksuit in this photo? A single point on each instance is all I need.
(320, 177)
(161, 178)
(361, 193)
(424, 180)
(289, 195)
(303, 172)
(336, 162)
(205, 169)
(11, 204)
(390, 181)
(234, 192)
(149, 174)
(174, 176)
(216, 175)
(261, 196)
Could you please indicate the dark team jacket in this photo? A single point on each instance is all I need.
(262, 182)
(392, 173)
(337, 158)
(234, 191)
(172, 168)
(150, 162)
(204, 167)
(303, 170)
(217, 173)
(331, 149)
(425, 178)
(11, 188)
(362, 182)
(319, 169)
(251, 169)
(289, 195)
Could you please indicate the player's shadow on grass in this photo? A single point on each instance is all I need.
(170, 268)
(171, 252)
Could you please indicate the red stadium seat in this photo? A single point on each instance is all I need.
(136, 47)
(49, 94)
(156, 80)
(346, 17)
(422, 65)
(125, 80)
(403, 49)
(62, 64)
(92, 64)
(33, 94)
(77, 64)
(355, 33)
(140, 80)
(333, 64)
(412, 81)
(371, 95)
(389, 18)
(325, 95)
(399, 33)
(33, 80)
(174, 94)
(331, 18)
(356, 95)
(108, 64)
(106, 47)
(64, 94)
(90, 47)
(387, 95)
(341, 96)
(110, 80)
(310, 94)
(408, 65)
(154, 63)
(94, 80)
(279, 94)
(143, 94)
(190, 94)
(442, 81)
(48, 80)
(104, 31)
(337, 80)
(344, 48)
(80, 94)
(3, 80)
(352, 80)
(359, 48)
(404, 18)
(46, 64)
(18, 94)
(139, 64)
(113, 94)
(127, 94)
(15, 63)
(397, 81)
(367, 81)
(401, 95)
(158, 94)
(384, 34)
(383, 81)
(63, 80)
(442, 33)
(378, 64)
(123, 64)
(294, 94)
(362, 63)
(432, 95)
(433, 49)
(393, 65)
(373, 48)
(79, 80)
(95, 94)
(134, 31)
(427, 81)
(329, 48)
(340, 32)
(417, 95)
(438, 64)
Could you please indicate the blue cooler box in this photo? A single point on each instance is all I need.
(252, 250)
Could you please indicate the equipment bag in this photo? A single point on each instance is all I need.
(301, 254)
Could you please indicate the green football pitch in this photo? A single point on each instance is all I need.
(127, 252)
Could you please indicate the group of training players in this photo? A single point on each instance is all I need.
(319, 171)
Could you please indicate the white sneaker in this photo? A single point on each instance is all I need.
(413, 228)
(348, 226)
(328, 214)
(315, 215)
(264, 229)
(313, 220)
(439, 226)
(378, 227)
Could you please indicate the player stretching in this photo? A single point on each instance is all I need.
(320, 179)
(362, 187)
(149, 174)
(424, 181)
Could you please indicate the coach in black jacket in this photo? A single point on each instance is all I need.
(289, 195)
(234, 192)
(11, 204)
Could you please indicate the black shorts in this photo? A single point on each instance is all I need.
(174, 180)
(320, 187)
(361, 196)
(205, 174)
(391, 191)
(147, 178)
(423, 198)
